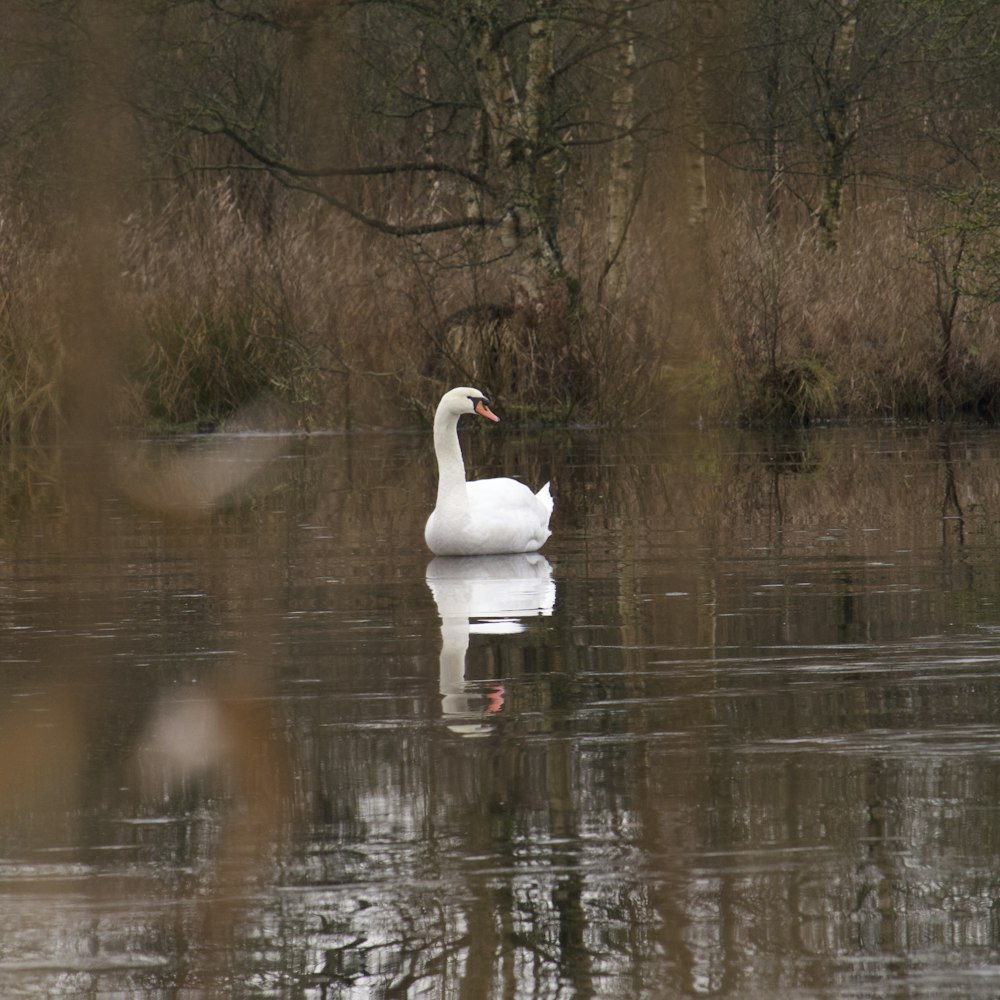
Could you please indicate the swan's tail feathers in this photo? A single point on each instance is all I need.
(546, 497)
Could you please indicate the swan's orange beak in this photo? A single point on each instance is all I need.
(484, 411)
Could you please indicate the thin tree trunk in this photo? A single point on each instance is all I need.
(479, 158)
(621, 180)
(428, 134)
(838, 134)
(424, 89)
(701, 12)
(773, 96)
(947, 266)
(537, 105)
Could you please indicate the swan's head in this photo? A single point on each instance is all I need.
(466, 400)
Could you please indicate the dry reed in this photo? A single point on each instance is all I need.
(809, 334)
(761, 324)
(31, 354)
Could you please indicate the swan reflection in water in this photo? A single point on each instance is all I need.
(482, 595)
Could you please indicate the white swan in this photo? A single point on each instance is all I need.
(486, 516)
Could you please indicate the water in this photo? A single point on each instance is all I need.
(734, 734)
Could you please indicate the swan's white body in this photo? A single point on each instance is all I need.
(486, 516)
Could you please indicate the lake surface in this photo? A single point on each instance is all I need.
(736, 733)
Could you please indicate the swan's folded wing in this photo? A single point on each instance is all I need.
(508, 495)
(509, 515)
(544, 495)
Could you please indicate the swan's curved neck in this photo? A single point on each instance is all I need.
(451, 467)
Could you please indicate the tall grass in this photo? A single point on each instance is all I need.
(206, 311)
(214, 311)
(219, 313)
(808, 334)
(31, 354)
(546, 359)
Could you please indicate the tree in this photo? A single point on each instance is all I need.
(820, 100)
(838, 115)
(621, 173)
(458, 128)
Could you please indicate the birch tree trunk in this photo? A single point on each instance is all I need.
(479, 158)
(701, 12)
(838, 133)
(511, 123)
(495, 84)
(428, 131)
(621, 180)
(773, 96)
(520, 144)
(538, 104)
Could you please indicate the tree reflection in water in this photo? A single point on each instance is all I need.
(747, 748)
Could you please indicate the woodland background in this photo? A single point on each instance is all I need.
(763, 211)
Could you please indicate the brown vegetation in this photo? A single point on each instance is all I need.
(859, 334)
(764, 212)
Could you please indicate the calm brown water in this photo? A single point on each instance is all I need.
(737, 734)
